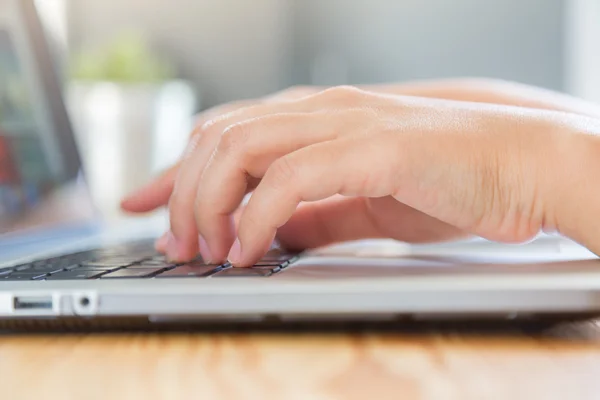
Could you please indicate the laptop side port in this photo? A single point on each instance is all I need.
(32, 303)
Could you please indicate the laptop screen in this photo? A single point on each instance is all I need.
(37, 188)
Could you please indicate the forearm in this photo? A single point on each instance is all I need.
(492, 91)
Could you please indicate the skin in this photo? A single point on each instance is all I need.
(418, 162)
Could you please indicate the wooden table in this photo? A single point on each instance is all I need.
(377, 365)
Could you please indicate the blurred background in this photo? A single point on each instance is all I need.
(136, 71)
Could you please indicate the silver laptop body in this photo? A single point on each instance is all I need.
(58, 263)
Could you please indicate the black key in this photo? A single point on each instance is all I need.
(242, 273)
(46, 267)
(152, 264)
(159, 257)
(23, 276)
(75, 274)
(112, 262)
(277, 257)
(155, 262)
(290, 262)
(272, 268)
(189, 270)
(5, 271)
(132, 273)
(101, 266)
(48, 270)
(96, 269)
(262, 263)
(38, 264)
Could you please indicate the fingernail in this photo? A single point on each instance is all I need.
(172, 248)
(235, 254)
(161, 243)
(204, 250)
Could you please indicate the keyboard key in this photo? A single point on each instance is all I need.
(22, 267)
(243, 273)
(189, 270)
(38, 264)
(22, 276)
(43, 267)
(110, 262)
(152, 264)
(75, 274)
(158, 257)
(100, 267)
(272, 268)
(131, 273)
(48, 270)
(269, 263)
(277, 255)
(89, 263)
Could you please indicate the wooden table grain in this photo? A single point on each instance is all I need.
(309, 365)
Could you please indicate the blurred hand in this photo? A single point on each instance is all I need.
(157, 193)
(346, 164)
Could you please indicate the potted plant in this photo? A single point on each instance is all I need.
(131, 114)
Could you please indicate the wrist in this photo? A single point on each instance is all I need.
(575, 186)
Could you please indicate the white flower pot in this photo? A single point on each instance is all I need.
(127, 133)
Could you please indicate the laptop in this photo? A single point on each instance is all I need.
(59, 265)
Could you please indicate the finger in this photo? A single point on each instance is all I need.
(340, 219)
(183, 239)
(153, 195)
(313, 173)
(156, 193)
(181, 203)
(246, 151)
(161, 243)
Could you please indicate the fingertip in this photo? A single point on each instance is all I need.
(205, 250)
(161, 243)
(152, 195)
(129, 203)
(178, 250)
(247, 251)
(235, 254)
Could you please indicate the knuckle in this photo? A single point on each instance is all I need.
(232, 139)
(297, 91)
(344, 94)
(214, 125)
(206, 126)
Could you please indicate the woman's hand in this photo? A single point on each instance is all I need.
(158, 192)
(346, 164)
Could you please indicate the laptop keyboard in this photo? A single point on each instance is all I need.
(137, 260)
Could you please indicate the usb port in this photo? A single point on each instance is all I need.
(32, 303)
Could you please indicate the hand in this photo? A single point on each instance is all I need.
(158, 192)
(347, 164)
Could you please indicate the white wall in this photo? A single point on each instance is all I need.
(583, 49)
(382, 40)
(231, 48)
(245, 48)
